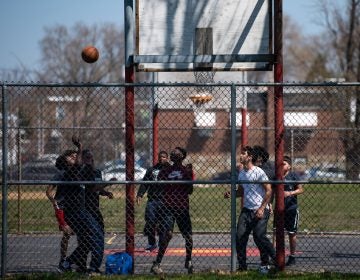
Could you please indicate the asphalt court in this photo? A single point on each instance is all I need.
(211, 252)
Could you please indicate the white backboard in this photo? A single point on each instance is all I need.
(237, 27)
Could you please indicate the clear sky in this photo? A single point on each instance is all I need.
(22, 23)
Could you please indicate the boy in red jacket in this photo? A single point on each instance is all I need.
(175, 208)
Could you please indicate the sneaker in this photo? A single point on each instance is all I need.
(189, 266)
(61, 261)
(156, 269)
(264, 269)
(291, 261)
(64, 266)
(151, 248)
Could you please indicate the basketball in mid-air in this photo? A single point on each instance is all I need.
(90, 54)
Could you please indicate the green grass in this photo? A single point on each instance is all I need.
(209, 276)
(331, 208)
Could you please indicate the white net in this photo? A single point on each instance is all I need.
(204, 77)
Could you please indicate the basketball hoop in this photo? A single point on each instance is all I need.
(203, 119)
(199, 100)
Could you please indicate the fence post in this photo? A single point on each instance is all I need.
(19, 212)
(4, 212)
(233, 177)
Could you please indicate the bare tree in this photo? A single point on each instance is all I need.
(343, 38)
(89, 108)
(61, 54)
(15, 74)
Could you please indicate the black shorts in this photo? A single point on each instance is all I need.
(171, 215)
(291, 220)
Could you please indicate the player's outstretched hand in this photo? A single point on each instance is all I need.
(227, 194)
(138, 200)
(76, 141)
(189, 166)
(110, 195)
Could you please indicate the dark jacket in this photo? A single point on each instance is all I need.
(154, 191)
(290, 201)
(177, 195)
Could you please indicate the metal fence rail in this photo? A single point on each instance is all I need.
(321, 137)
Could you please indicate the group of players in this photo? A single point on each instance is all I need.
(162, 209)
(77, 206)
(77, 209)
(257, 197)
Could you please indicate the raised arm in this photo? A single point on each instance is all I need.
(77, 143)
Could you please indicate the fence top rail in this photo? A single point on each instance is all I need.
(195, 182)
(221, 84)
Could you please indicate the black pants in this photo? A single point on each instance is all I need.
(248, 222)
(151, 220)
(167, 218)
(90, 237)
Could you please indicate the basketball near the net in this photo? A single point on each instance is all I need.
(90, 54)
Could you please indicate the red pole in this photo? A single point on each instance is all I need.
(129, 27)
(155, 133)
(279, 134)
(130, 156)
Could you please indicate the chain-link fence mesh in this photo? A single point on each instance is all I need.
(321, 137)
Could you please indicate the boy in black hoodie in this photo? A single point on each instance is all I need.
(154, 192)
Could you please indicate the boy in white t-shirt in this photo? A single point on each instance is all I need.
(255, 212)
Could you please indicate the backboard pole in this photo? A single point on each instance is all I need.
(129, 127)
(155, 123)
(155, 144)
(279, 133)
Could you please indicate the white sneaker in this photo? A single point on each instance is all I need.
(189, 266)
(264, 269)
(64, 266)
(156, 269)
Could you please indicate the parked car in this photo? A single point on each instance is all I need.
(325, 173)
(116, 162)
(118, 171)
(39, 169)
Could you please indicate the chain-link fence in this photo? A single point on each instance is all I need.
(321, 137)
